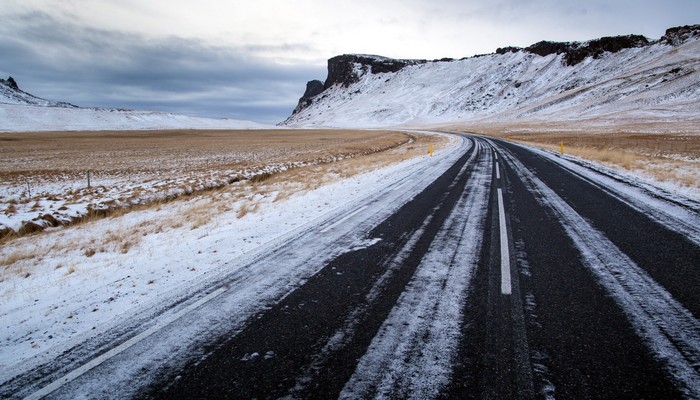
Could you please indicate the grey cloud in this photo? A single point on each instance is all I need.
(91, 67)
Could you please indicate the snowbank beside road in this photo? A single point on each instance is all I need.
(64, 287)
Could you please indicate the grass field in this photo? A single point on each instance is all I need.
(666, 151)
(44, 176)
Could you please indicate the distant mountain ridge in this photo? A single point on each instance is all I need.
(10, 93)
(629, 76)
(23, 112)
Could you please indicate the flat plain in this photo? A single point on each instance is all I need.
(68, 175)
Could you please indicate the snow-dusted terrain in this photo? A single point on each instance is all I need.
(21, 111)
(80, 281)
(80, 290)
(655, 81)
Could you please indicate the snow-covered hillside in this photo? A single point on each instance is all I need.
(21, 111)
(643, 80)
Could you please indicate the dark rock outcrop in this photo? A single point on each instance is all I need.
(545, 48)
(508, 49)
(576, 52)
(596, 48)
(680, 34)
(313, 88)
(11, 83)
(342, 69)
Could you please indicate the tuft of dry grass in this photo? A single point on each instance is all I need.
(11, 209)
(184, 162)
(15, 257)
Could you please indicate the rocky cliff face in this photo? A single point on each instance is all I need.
(313, 88)
(575, 52)
(628, 75)
(679, 35)
(10, 82)
(345, 70)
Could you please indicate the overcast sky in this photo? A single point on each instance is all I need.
(251, 59)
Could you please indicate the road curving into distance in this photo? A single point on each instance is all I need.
(499, 272)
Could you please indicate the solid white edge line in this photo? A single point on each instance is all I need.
(76, 373)
(328, 228)
(505, 254)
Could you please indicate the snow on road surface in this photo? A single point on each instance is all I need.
(668, 328)
(414, 352)
(70, 294)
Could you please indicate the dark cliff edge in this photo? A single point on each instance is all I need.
(575, 53)
(342, 69)
(10, 82)
(10, 89)
(346, 69)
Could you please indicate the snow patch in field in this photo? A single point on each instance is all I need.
(73, 283)
(34, 118)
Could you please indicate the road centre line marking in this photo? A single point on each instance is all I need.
(505, 254)
(498, 174)
(328, 228)
(76, 373)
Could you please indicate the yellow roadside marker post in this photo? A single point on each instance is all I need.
(561, 148)
(430, 150)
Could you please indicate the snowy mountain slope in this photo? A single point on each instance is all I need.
(23, 112)
(10, 93)
(657, 81)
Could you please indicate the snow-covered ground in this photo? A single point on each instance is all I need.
(32, 118)
(23, 112)
(60, 288)
(659, 82)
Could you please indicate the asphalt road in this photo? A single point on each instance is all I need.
(514, 274)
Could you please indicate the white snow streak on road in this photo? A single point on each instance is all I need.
(352, 323)
(645, 198)
(253, 284)
(122, 347)
(345, 218)
(413, 353)
(668, 328)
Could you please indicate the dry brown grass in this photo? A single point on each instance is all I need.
(16, 256)
(668, 151)
(109, 152)
(331, 154)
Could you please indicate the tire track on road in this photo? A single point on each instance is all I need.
(670, 331)
(276, 351)
(413, 354)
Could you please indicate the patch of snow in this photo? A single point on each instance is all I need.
(75, 284)
(33, 118)
(657, 82)
(670, 331)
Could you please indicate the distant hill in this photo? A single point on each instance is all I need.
(22, 111)
(608, 79)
